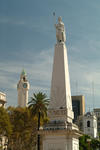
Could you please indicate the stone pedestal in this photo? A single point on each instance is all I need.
(60, 139)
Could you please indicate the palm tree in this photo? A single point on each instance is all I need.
(38, 106)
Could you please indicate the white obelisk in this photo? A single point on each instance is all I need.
(60, 86)
(60, 133)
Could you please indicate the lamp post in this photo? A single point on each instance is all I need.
(89, 143)
(38, 140)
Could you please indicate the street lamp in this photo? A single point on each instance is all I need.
(89, 141)
(38, 140)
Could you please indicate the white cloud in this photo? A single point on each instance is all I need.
(9, 20)
(28, 23)
(39, 74)
(84, 73)
(39, 70)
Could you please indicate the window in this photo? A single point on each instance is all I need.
(98, 123)
(88, 123)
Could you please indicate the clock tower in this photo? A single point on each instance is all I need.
(22, 88)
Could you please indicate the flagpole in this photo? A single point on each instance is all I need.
(54, 14)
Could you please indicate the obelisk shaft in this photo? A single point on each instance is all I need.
(60, 85)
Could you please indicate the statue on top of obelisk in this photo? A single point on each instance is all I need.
(60, 31)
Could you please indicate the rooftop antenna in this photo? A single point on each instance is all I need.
(89, 108)
(93, 93)
(76, 87)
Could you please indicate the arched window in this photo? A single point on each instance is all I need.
(88, 123)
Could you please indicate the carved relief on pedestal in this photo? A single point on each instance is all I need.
(58, 112)
(53, 146)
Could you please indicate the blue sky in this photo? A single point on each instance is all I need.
(27, 39)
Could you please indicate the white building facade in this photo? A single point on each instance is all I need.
(97, 113)
(90, 124)
(3, 139)
(2, 99)
(3, 142)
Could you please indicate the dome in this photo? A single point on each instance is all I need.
(23, 73)
(89, 114)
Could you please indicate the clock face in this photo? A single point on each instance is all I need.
(25, 85)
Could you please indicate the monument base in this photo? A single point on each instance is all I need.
(60, 139)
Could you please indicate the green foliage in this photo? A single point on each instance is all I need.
(95, 144)
(83, 144)
(38, 105)
(0, 147)
(5, 125)
(20, 124)
(87, 143)
(24, 129)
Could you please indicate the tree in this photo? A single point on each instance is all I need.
(5, 125)
(23, 135)
(83, 144)
(95, 144)
(88, 143)
(38, 106)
